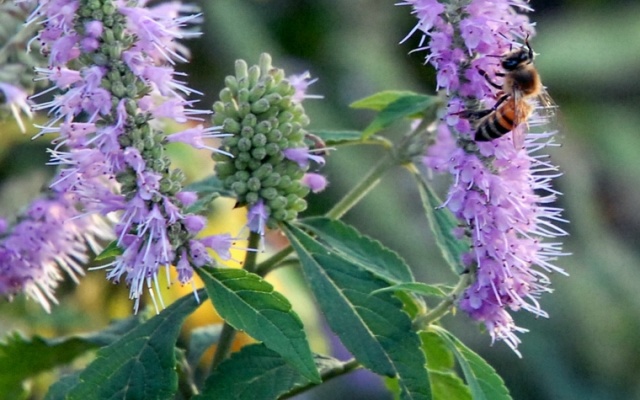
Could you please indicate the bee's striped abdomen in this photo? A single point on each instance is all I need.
(496, 124)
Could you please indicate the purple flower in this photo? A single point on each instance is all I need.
(195, 136)
(316, 182)
(257, 218)
(51, 237)
(302, 156)
(301, 83)
(502, 194)
(116, 158)
(15, 99)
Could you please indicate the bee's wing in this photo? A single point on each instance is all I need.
(522, 111)
(545, 110)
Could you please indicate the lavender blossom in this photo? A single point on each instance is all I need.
(114, 67)
(502, 194)
(15, 99)
(16, 66)
(47, 238)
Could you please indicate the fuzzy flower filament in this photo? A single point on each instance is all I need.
(117, 60)
(502, 195)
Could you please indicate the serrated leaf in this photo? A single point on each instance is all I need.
(392, 386)
(403, 107)
(483, 381)
(410, 304)
(208, 190)
(59, 390)
(380, 100)
(200, 339)
(248, 303)
(444, 386)
(372, 327)
(355, 247)
(111, 250)
(22, 357)
(448, 386)
(258, 372)
(333, 138)
(445, 383)
(442, 224)
(140, 365)
(439, 357)
(416, 287)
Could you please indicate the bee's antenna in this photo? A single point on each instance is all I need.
(526, 42)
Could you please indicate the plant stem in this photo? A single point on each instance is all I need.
(445, 305)
(272, 262)
(186, 385)
(325, 376)
(228, 333)
(361, 189)
(250, 258)
(224, 345)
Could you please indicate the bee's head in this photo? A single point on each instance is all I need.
(518, 58)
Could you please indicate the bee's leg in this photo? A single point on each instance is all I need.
(483, 113)
(475, 115)
(500, 101)
(486, 76)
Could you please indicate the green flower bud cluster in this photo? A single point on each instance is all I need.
(256, 106)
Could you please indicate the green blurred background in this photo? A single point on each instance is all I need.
(589, 58)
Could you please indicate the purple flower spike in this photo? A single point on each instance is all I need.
(503, 195)
(108, 117)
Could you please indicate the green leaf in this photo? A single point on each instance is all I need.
(140, 365)
(258, 372)
(200, 339)
(22, 357)
(415, 287)
(393, 386)
(248, 303)
(483, 380)
(59, 390)
(442, 224)
(359, 249)
(208, 190)
(445, 383)
(372, 327)
(111, 250)
(448, 386)
(403, 107)
(439, 357)
(410, 304)
(333, 138)
(380, 100)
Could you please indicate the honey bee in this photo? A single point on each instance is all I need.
(521, 83)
